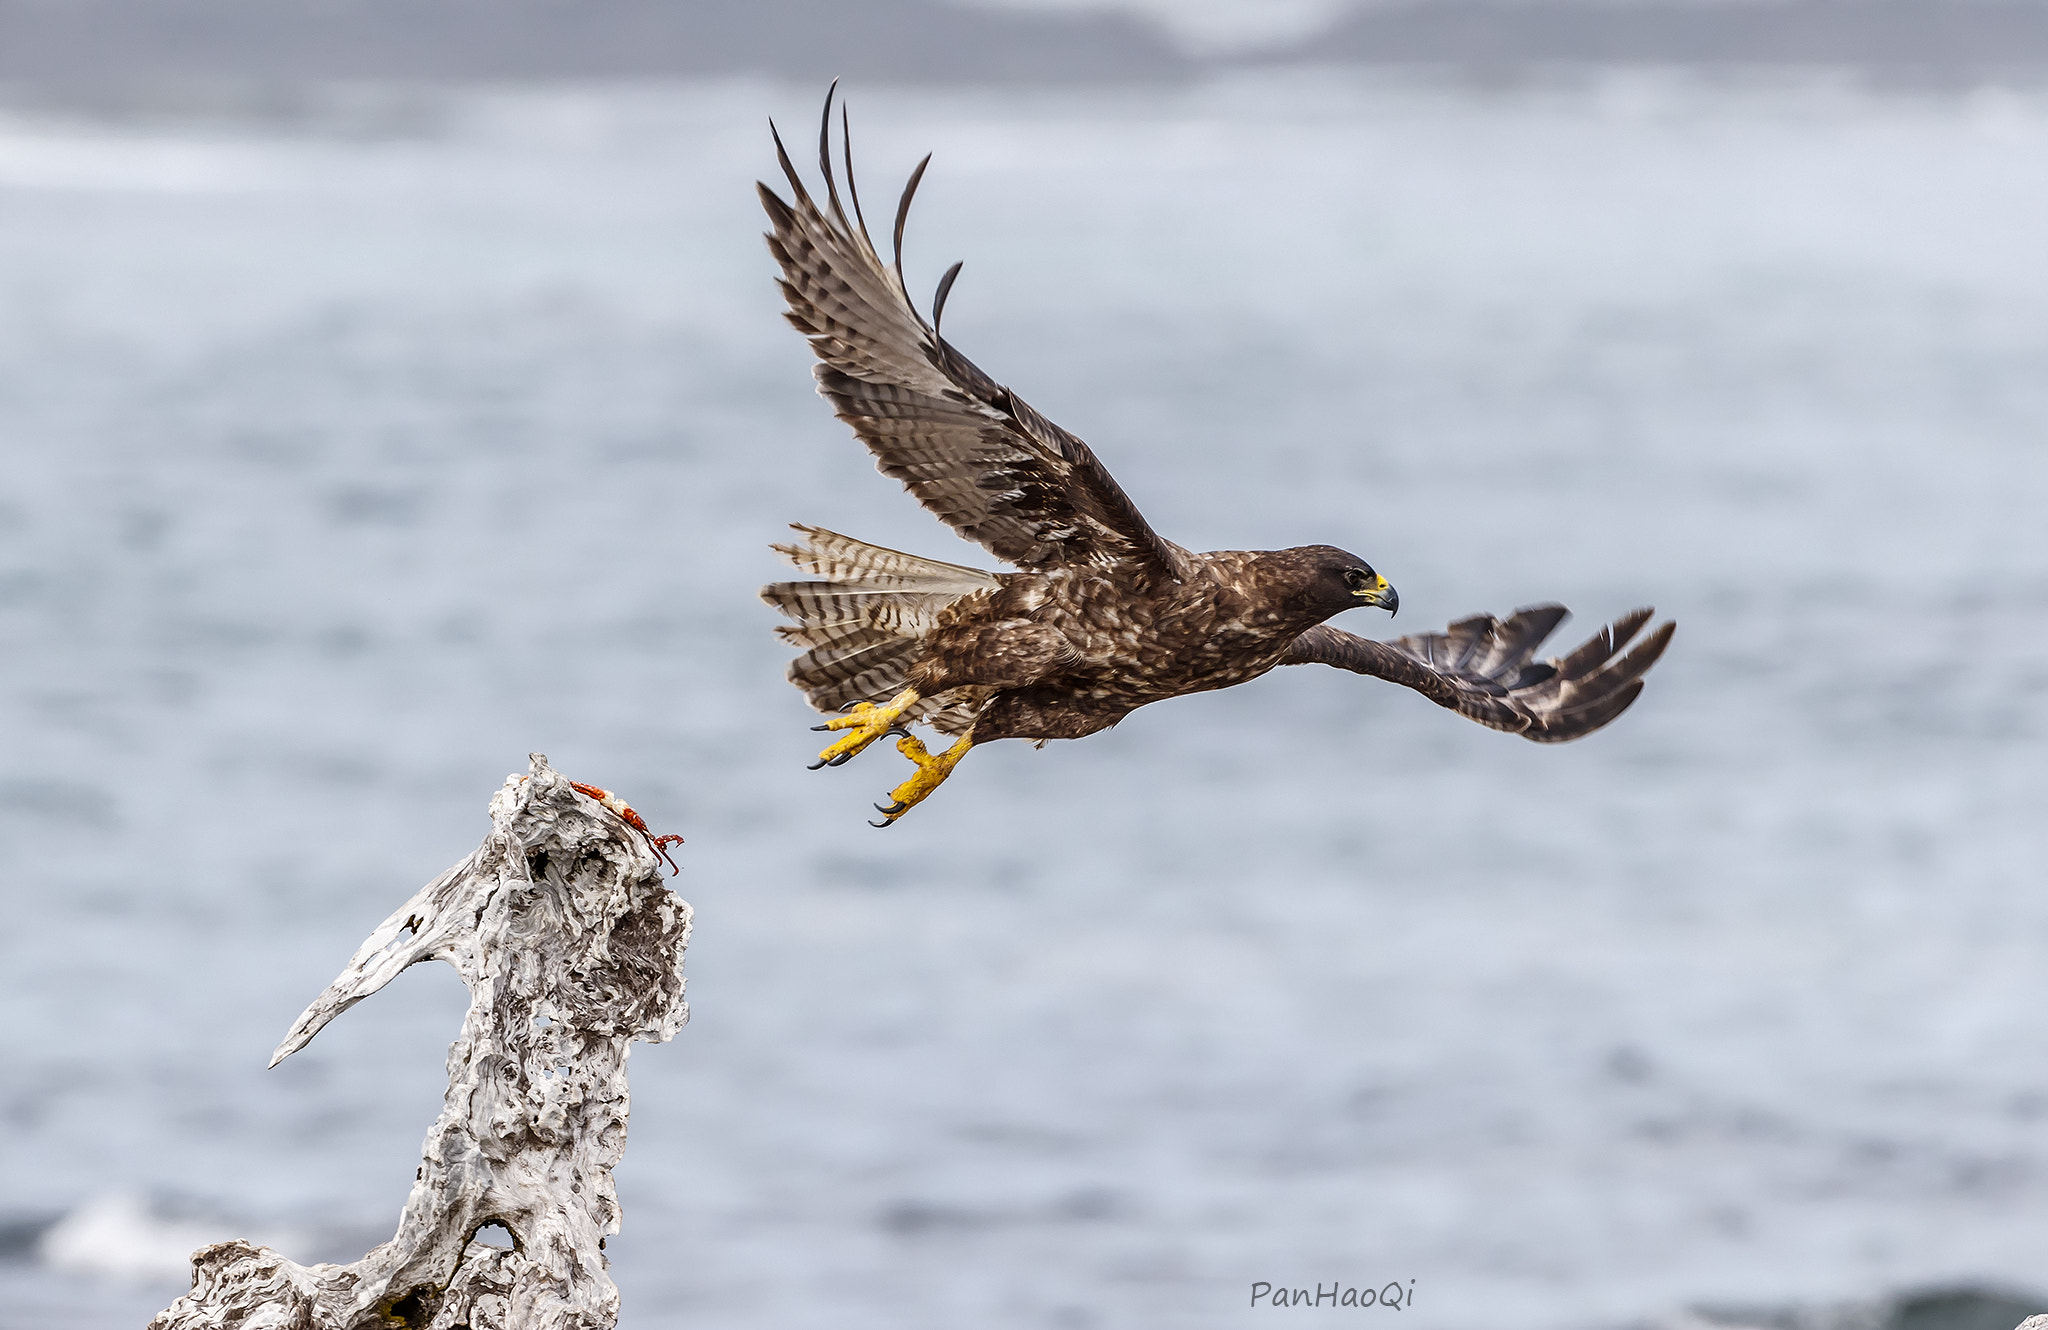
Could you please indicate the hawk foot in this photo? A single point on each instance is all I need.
(931, 773)
(864, 724)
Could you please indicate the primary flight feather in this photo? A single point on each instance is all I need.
(1103, 613)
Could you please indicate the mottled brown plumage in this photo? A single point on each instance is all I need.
(1103, 615)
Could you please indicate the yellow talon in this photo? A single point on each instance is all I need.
(865, 724)
(931, 773)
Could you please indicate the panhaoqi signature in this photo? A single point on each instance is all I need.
(1390, 1294)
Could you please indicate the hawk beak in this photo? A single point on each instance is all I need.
(1380, 595)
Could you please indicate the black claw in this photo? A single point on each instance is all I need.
(890, 823)
(896, 809)
(819, 729)
(840, 760)
(815, 765)
(899, 731)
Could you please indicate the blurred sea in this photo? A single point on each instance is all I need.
(354, 451)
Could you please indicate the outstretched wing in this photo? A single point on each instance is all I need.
(1483, 667)
(974, 454)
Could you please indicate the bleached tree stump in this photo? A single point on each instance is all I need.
(572, 948)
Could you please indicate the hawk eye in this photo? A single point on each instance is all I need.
(1355, 577)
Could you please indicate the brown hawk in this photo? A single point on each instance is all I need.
(1103, 614)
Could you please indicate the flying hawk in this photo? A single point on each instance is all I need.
(1103, 614)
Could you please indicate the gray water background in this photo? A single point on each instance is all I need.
(352, 455)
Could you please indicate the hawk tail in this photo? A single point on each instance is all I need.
(863, 620)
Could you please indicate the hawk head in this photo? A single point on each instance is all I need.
(1333, 580)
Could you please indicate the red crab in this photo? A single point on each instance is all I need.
(624, 810)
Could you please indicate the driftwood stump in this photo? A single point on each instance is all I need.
(572, 949)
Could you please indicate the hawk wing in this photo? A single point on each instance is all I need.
(1482, 667)
(971, 451)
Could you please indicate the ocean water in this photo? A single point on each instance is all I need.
(355, 449)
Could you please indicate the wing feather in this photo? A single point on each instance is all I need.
(966, 447)
(1484, 668)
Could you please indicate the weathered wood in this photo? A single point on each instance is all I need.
(572, 948)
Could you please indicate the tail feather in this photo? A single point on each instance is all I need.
(867, 668)
(813, 604)
(862, 623)
(838, 558)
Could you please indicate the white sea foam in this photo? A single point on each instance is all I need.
(121, 1236)
(42, 156)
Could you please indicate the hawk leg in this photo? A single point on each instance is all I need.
(931, 773)
(865, 723)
